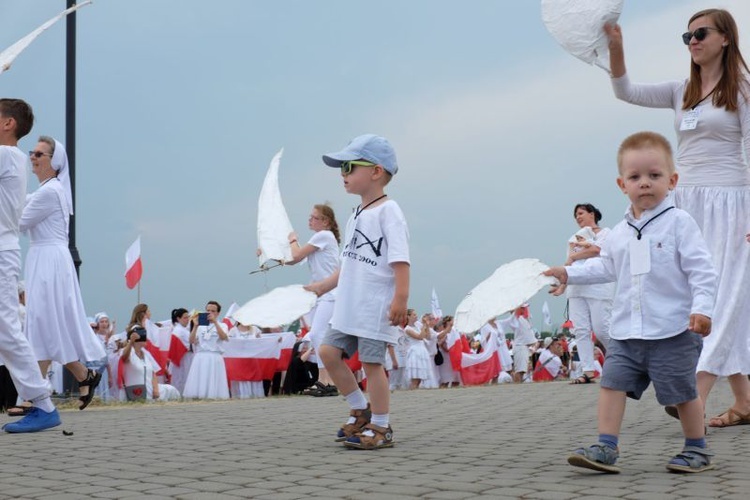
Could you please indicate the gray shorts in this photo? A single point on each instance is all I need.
(669, 363)
(370, 351)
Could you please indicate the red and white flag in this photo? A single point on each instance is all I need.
(133, 266)
(480, 368)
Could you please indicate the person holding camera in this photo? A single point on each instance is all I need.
(208, 375)
(139, 371)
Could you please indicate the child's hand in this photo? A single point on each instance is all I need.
(397, 312)
(700, 324)
(315, 288)
(561, 275)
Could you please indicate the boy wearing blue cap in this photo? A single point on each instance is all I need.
(372, 290)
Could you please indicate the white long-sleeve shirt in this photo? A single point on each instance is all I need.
(681, 282)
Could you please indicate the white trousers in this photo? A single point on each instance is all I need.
(589, 315)
(15, 349)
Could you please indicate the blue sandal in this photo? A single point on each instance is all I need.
(691, 459)
(598, 457)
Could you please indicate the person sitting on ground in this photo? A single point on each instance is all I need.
(139, 371)
(550, 366)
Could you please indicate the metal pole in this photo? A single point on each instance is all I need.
(70, 123)
(69, 382)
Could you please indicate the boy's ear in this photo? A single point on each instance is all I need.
(621, 184)
(673, 178)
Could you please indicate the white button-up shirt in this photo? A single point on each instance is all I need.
(681, 281)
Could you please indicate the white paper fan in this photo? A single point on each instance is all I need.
(578, 25)
(278, 307)
(510, 286)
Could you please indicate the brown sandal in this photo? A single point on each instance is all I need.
(348, 430)
(382, 438)
(730, 418)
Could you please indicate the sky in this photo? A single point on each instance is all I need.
(181, 104)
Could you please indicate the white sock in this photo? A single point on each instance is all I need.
(357, 401)
(45, 405)
(380, 420)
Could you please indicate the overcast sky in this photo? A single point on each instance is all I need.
(183, 103)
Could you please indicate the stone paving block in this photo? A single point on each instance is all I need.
(117, 494)
(87, 490)
(448, 495)
(211, 486)
(282, 496)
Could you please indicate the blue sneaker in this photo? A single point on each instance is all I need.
(36, 420)
(596, 457)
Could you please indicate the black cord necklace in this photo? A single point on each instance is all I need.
(361, 208)
(639, 231)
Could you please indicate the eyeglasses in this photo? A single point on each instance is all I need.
(348, 166)
(700, 34)
(38, 154)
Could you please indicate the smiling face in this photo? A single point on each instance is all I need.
(646, 177)
(584, 218)
(711, 48)
(41, 161)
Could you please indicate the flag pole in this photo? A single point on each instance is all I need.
(139, 291)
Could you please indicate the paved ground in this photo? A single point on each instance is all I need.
(486, 442)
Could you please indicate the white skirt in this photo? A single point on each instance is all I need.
(207, 378)
(418, 362)
(247, 390)
(723, 214)
(56, 323)
(168, 393)
(446, 374)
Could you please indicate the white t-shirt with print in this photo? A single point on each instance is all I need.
(375, 239)
(325, 260)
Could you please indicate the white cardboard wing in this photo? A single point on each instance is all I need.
(578, 25)
(273, 222)
(278, 307)
(9, 55)
(510, 286)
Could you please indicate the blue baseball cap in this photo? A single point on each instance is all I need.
(370, 147)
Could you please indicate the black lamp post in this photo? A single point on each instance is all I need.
(70, 123)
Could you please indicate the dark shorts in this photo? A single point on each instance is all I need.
(370, 351)
(667, 363)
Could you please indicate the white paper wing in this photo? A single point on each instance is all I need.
(578, 25)
(9, 55)
(510, 285)
(273, 222)
(278, 307)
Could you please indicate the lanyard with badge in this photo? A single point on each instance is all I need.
(690, 118)
(640, 251)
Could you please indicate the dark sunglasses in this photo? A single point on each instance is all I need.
(38, 154)
(700, 34)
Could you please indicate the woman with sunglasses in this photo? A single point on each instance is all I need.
(56, 323)
(712, 121)
(322, 253)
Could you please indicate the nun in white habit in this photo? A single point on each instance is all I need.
(56, 323)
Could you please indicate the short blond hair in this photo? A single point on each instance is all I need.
(645, 140)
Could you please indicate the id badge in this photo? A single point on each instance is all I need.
(640, 256)
(690, 119)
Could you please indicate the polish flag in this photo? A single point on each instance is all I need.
(133, 266)
(480, 368)
(251, 359)
(177, 349)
